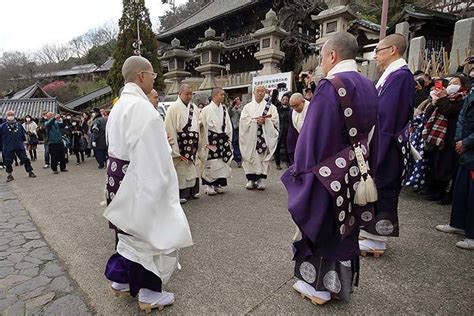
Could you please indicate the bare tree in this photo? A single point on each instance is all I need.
(79, 46)
(16, 65)
(53, 54)
(101, 35)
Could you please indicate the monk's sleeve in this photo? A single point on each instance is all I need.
(395, 109)
(171, 123)
(156, 180)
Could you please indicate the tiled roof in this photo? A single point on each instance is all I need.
(76, 70)
(33, 107)
(367, 24)
(212, 11)
(88, 97)
(105, 66)
(428, 14)
(28, 92)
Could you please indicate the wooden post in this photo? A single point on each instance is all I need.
(383, 22)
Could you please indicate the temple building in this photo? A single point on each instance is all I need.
(234, 24)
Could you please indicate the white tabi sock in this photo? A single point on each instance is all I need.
(124, 287)
(305, 288)
(155, 298)
(368, 235)
(369, 244)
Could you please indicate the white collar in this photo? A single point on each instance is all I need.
(343, 66)
(133, 89)
(394, 65)
(215, 104)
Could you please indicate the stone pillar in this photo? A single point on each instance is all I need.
(463, 43)
(209, 49)
(372, 72)
(270, 37)
(404, 29)
(415, 56)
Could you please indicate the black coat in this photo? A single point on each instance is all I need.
(98, 132)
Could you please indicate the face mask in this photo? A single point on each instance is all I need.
(10, 118)
(28, 119)
(68, 117)
(451, 89)
(74, 124)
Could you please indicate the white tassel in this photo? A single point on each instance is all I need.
(370, 190)
(361, 193)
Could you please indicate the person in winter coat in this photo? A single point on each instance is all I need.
(462, 213)
(98, 138)
(31, 136)
(13, 136)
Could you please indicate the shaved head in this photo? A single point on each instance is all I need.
(297, 102)
(133, 66)
(389, 49)
(345, 45)
(296, 97)
(339, 47)
(185, 93)
(218, 96)
(184, 87)
(397, 40)
(216, 91)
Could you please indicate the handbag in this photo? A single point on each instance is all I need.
(33, 139)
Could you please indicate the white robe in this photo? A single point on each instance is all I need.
(212, 117)
(252, 162)
(297, 119)
(176, 118)
(146, 205)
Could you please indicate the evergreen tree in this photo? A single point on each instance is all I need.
(127, 36)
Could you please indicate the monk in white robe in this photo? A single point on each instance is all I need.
(258, 138)
(299, 107)
(216, 148)
(142, 194)
(182, 126)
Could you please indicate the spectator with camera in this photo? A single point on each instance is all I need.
(55, 142)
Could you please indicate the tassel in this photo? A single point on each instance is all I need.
(370, 190)
(361, 193)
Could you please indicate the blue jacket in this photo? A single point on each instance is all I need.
(13, 136)
(465, 131)
(54, 131)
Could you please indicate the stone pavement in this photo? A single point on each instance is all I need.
(32, 280)
(241, 259)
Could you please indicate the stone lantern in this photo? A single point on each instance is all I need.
(209, 51)
(270, 37)
(176, 57)
(333, 20)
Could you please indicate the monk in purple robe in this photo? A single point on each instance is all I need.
(322, 181)
(396, 91)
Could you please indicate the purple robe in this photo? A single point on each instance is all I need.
(323, 135)
(323, 257)
(396, 102)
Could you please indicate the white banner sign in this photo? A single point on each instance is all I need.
(283, 82)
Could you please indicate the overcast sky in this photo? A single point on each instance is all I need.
(26, 25)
